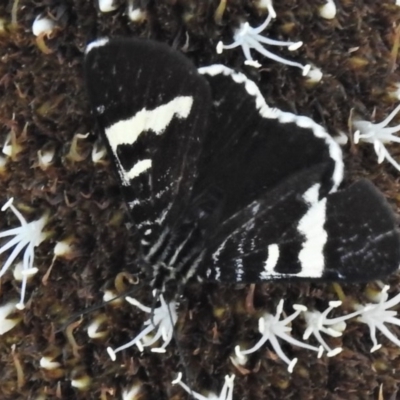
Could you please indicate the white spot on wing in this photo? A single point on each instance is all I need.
(157, 120)
(311, 226)
(273, 257)
(134, 203)
(239, 269)
(140, 167)
(100, 109)
(97, 43)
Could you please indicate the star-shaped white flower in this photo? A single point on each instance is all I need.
(163, 321)
(27, 236)
(318, 322)
(376, 315)
(272, 329)
(379, 135)
(42, 25)
(249, 38)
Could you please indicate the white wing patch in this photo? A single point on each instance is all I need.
(97, 43)
(126, 132)
(138, 168)
(273, 257)
(311, 226)
(157, 120)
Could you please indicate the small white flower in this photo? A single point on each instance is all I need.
(27, 236)
(111, 298)
(93, 329)
(341, 139)
(11, 147)
(318, 322)
(396, 92)
(379, 135)
(266, 5)
(74, 154)
(135, 14)
(238, 359)
(48, 362)
(20, 274)
(314, 75)
(133, 393)
(377, 315)
(226, 392)
(328, 10)
(3, 162)
(80, 379)
(42, 26)
(272, 328)
(63, 249)
(6, 324)
(98, 152)
(249, 38)
(7, 146)
(163, 320)
(45, 158)
(106, 6)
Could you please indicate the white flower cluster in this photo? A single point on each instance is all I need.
(374, 315)
(272, 328)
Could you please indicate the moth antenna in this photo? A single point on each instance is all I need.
(93, 308)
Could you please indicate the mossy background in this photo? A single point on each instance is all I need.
(43, 102)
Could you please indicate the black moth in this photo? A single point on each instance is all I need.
(220, 186)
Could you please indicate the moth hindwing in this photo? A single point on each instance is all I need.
(221, 186)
